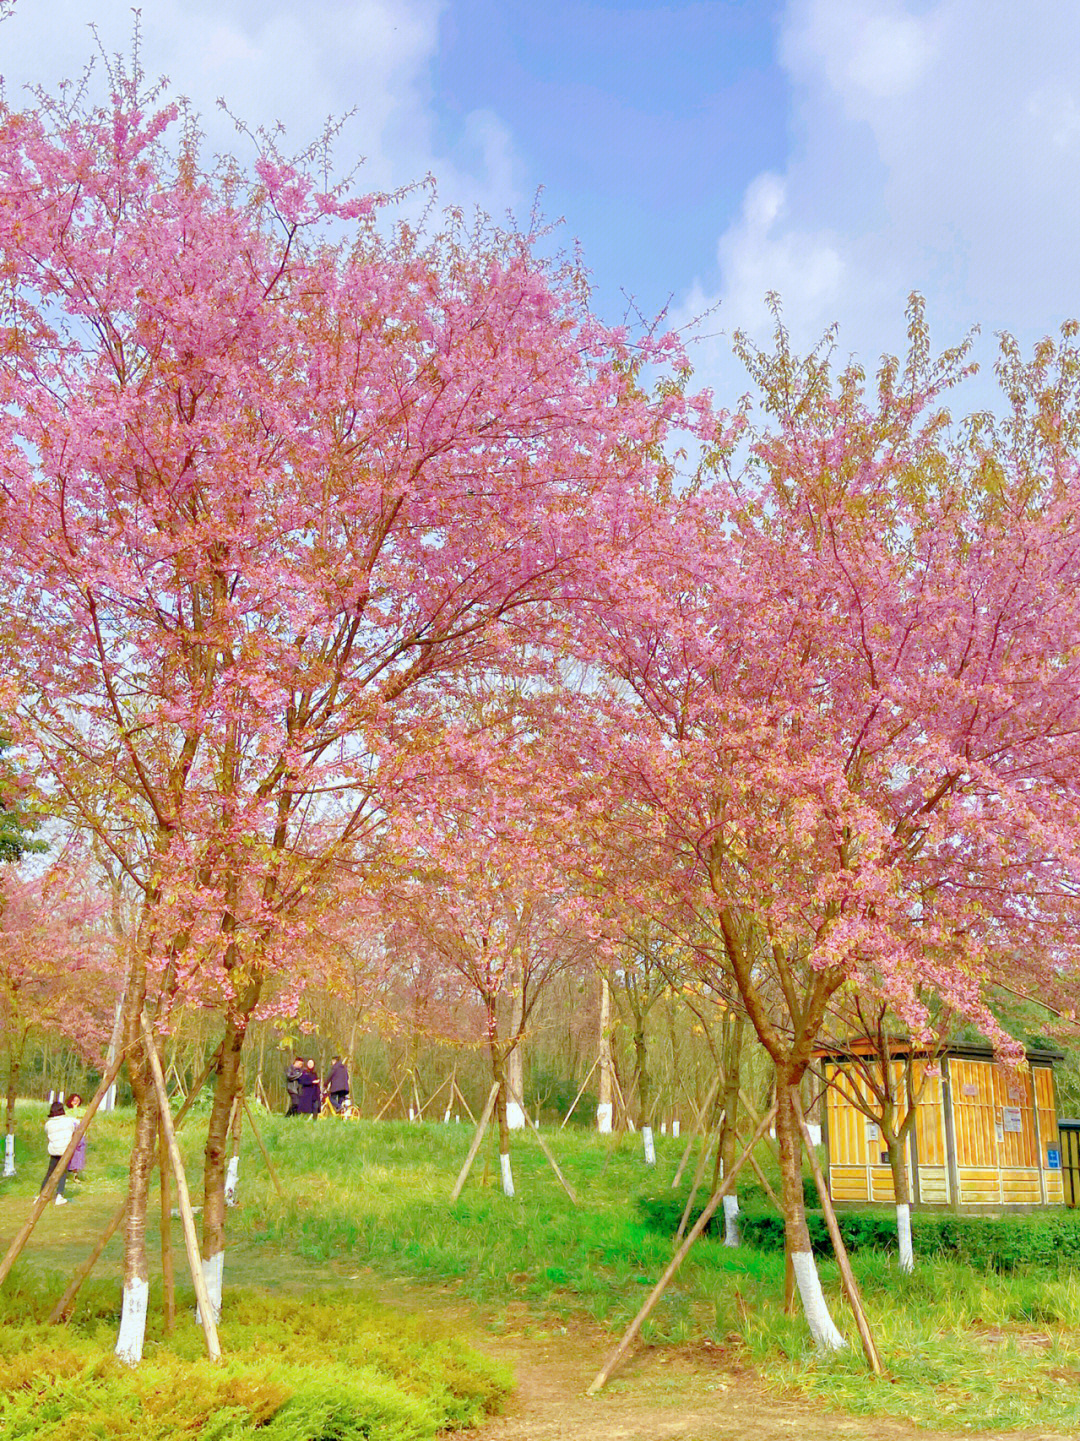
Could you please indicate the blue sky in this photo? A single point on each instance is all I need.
(841, 152)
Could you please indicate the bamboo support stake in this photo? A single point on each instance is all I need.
(627, 1122)
(191, 1242)
(168, 1271)
(393, 1097)
(464, 1102)
(477, 1138)
(437, 1089)
(752, 1111)
(699, 1171)
(676, 1261)
(37, 1210)
(62, 1310)
(563, 1182)
(766, 1187)
(262, 1147)
(847, 1275)
(698, 1118)
(581, 1092)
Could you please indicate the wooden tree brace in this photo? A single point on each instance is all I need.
(191, 1242)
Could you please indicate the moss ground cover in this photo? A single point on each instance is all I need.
(965, 1347)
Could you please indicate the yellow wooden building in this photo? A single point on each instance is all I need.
(984, 1136)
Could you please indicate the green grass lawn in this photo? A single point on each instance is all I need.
(962, 1348)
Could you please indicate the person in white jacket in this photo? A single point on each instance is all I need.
(59, 1129)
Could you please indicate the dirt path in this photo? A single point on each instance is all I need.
(688, 1394)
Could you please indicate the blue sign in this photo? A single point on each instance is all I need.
(1053, 1158)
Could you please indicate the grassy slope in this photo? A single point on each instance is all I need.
(962, 1348)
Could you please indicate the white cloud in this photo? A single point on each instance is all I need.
(280, 62)
(937, 148)
(761, 252)
(869, 50)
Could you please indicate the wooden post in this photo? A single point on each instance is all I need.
(62, 1310)
(168, 1273)
(550, 1158)
(847, 1275)
(676, 1261)
(265, 1153)
(477, 1138)
(191, 1241)
(581, 1092)
(59, 1171)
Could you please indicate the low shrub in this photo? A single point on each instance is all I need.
(985, 1243)
(293, 1370)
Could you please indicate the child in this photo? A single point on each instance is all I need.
(78, 1160)
(59, 1129)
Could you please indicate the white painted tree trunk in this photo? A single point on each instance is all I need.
(604, 1109)
(9, 1156)
(232, 1176)
(675, 1128)
(515, 1064)
(132, 1333)
(822, 1327)
(507, 1175)
(213, 1269)
(903, 1228)
(731, 1221)
(650, 1149)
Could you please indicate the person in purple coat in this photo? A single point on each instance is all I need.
(78, 1159)
(310, 1091)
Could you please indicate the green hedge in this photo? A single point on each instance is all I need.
(985, 1243)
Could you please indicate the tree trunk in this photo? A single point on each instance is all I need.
(641, 1065)
(603, 1108)
(498, 1078)
(796, 1236)
(902, 1192)
(226, 1088)
(15, 1058)
(515, 1061)
(129, 1341)
(504, 1137)
(729, 1135)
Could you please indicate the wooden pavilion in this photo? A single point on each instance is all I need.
(984, 1136)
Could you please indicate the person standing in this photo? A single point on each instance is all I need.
(78, 1160)
(310, 1090)
(337, 1083)
(59, 1129)
(292, 1086)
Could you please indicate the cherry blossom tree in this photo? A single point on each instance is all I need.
(269, 481)
(847, 707)
(487, 890)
